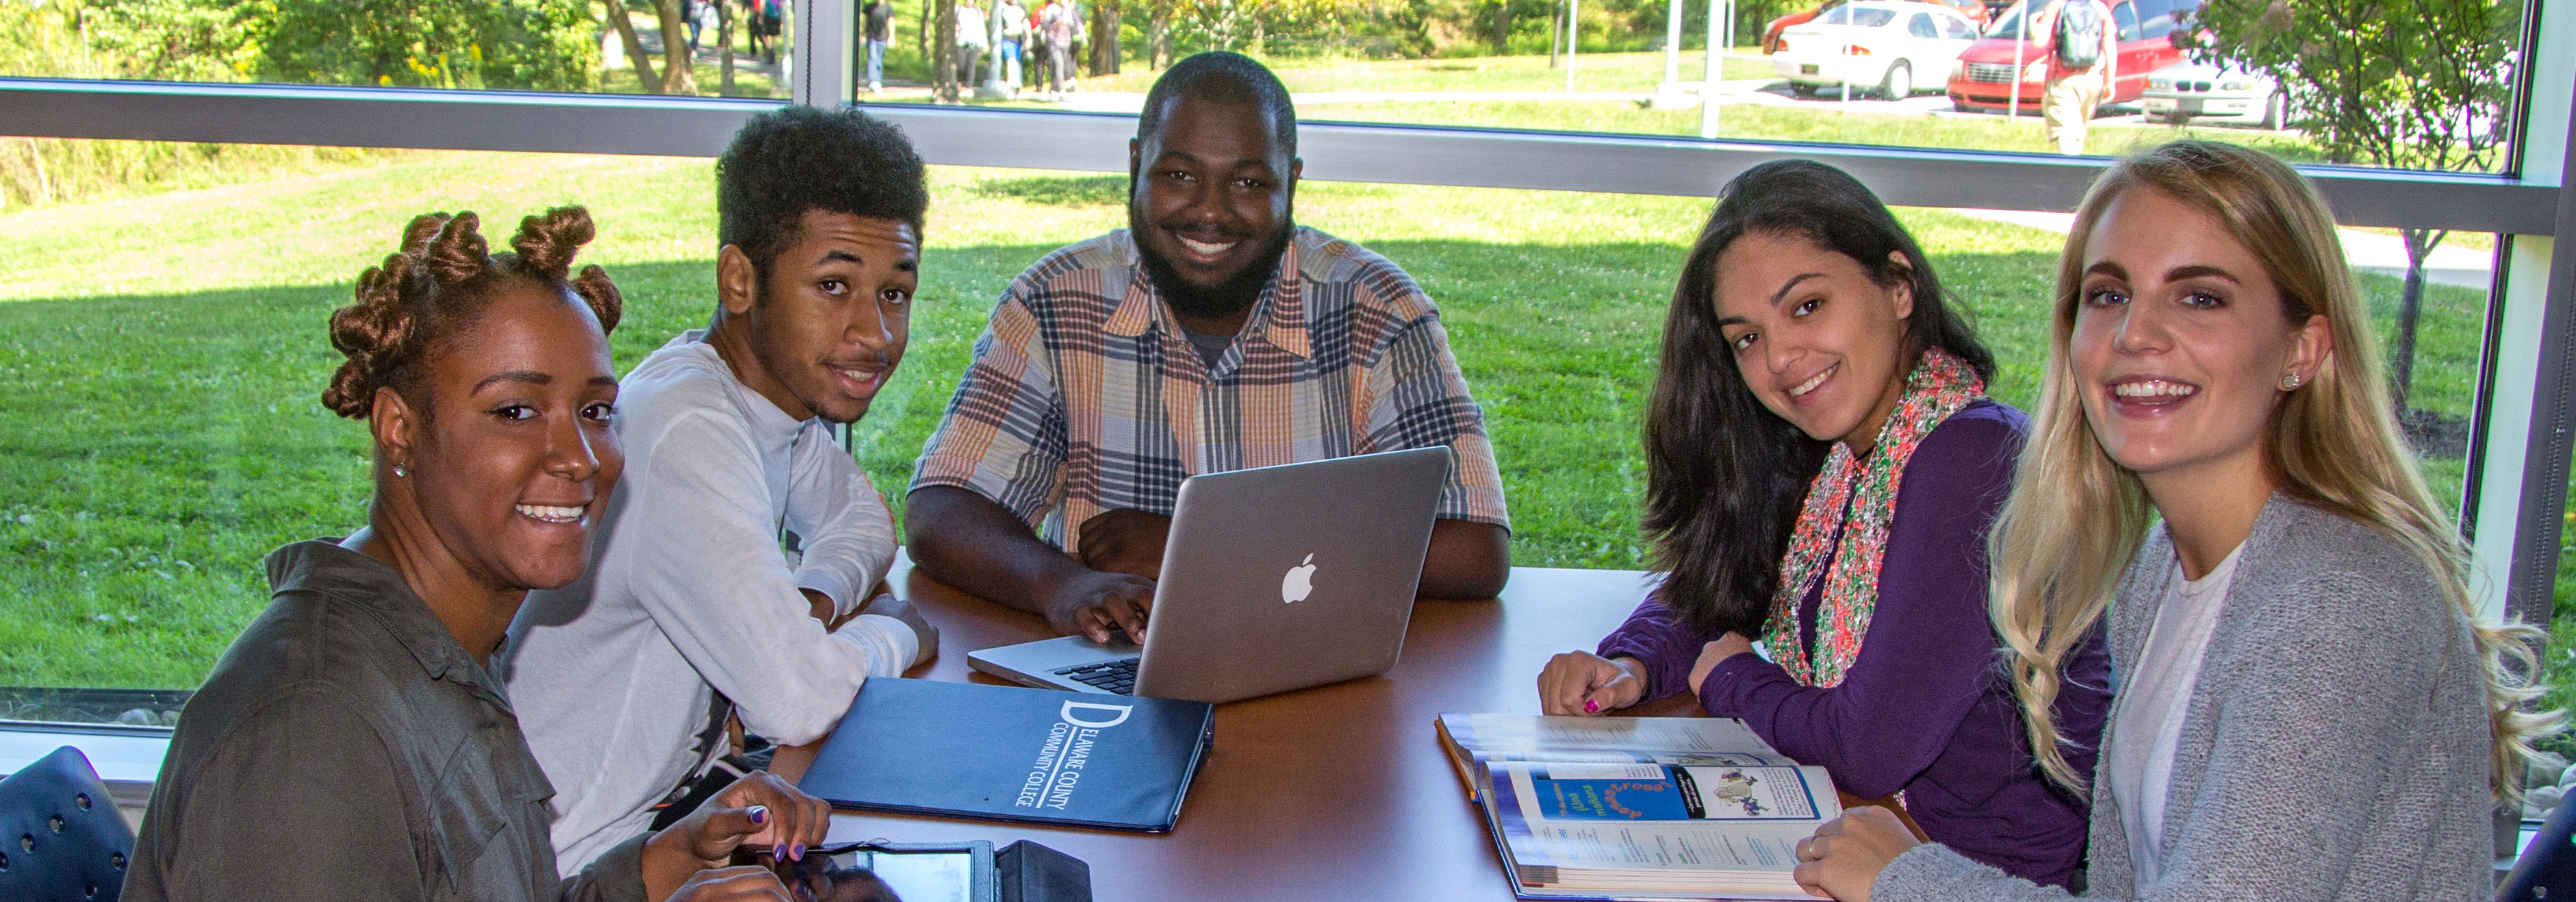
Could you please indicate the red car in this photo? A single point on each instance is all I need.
(1975, 10)
(1984, 79)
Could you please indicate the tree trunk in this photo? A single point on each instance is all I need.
(1158, 36)
(676, 77)
(943, 54)
(724, 36)
(1555, 34)
(644, 78)
(1502, 26)
(1104, 38)
(2410, 310)
(921, 36)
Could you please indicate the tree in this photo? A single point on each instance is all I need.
(174, 40)
(2418, 84)
(1104, 37)
(678, 75)
(543, 45)
(724, 39)
(943, 55)
(645, 80)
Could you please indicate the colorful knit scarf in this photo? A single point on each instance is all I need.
(1939, 386)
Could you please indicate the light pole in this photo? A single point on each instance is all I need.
(1673, 42)
(993, 87)
(1719, 26)
(1573, 33)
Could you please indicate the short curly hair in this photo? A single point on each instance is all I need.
(1222, 77)
(800, 158)
(437, 285)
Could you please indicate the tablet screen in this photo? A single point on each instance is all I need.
(916, 876)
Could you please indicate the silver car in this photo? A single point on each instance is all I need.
(1874, 45)
(2186, 92)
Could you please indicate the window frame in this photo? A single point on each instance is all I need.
(2524, 423)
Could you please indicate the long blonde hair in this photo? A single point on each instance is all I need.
(2076, 518)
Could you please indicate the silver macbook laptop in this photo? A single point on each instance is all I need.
(1273, 579)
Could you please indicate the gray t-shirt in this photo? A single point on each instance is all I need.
(1210, 347)
(688, 596)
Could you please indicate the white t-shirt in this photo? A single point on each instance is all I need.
(688, 594)
(2147, 722)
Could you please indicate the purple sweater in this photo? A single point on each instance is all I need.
(1927, 708)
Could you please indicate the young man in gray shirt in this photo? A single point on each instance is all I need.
(690, 610)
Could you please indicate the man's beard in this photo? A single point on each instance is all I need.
(1219, 301)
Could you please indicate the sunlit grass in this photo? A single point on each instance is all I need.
(168, 352)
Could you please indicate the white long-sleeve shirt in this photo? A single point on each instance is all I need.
(689, 594)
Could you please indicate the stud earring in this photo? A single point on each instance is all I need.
(2290, 382)
(401, 471)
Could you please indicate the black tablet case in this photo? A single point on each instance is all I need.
(1013, 754)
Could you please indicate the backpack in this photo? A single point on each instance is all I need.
(2078, 40)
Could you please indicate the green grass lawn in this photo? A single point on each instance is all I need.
(169, 354)
(1820, 122)
(1603, 72)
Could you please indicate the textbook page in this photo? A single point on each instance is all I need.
(1657, 828)
(1505, 733)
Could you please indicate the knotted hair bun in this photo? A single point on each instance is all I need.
(544, 250)
(438, 283)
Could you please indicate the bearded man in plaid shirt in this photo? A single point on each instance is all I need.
(1212, 334)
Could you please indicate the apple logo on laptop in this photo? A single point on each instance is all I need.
(1299, 583)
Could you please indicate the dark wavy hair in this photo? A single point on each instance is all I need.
(798, 158)
(1223, 77)
(1724, 475)
(434, 289)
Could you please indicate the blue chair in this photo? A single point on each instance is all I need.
(60, 834)
(2547, 869)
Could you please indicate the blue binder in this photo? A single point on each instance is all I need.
(1013, 754)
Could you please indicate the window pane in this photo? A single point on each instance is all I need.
(1508, 64)
(166, 349)
(723, 47)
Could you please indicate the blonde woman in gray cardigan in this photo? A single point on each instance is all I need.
(2308, 705)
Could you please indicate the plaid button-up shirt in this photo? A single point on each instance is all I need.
(1084, 395)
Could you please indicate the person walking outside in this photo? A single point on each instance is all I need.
(1015, 31)
(880, 15)
(1058, 23)
(971, 42)
(2083, 59)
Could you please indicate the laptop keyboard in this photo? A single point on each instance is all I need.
(1117, 676)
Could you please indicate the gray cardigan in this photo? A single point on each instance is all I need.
(2336, 745)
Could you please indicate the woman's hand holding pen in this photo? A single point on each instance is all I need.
(1581, 683)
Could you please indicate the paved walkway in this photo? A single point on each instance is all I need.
(2449, 264)
(2368, 252)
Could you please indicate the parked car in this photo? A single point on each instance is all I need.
(1975, 10)
(1889, 46)
(1985, 79)
(2183, 92)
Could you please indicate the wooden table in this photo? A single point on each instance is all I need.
(1335, 792)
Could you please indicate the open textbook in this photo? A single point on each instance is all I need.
(1638, 807)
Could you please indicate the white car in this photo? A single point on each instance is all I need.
(1887, 46)
(2187, 91)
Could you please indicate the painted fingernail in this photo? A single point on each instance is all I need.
(796, 851)
(1591, 707)
(760, 814)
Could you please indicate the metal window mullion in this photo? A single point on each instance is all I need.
(696, 126)
(2531, 582)
(822, 57)
(2524, 427)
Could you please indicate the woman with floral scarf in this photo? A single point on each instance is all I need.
(1823, 466)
